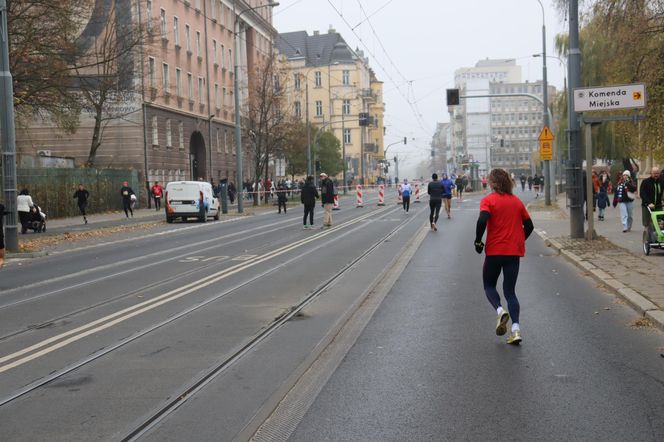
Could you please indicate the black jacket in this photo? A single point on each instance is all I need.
(327, 191)
(309, 194)
(651, 192)
(435, 191)
(82, 196)
(129, 191)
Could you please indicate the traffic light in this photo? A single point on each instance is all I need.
(452, 97)
(405, 140)
(364, 118)
(317, 165)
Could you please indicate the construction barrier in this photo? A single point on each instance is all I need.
(399, 196)
(358, 202)
(336, 203)
(381, 195)
(417, 192)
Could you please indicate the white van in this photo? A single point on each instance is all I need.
(191, 199)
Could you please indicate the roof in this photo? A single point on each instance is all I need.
(317, 49)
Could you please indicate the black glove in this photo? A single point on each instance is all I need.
(479, 246)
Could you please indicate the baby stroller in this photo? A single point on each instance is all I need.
(37, 220)
(653, 236)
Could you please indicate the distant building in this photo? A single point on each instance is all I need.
(441, 152)
(331, 85)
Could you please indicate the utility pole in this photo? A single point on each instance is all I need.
(574, 175)
(7, 134)
(545, 113)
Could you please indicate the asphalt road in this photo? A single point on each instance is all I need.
(429, 366)
(198, 331)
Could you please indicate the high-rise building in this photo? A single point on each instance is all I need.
(331, 86)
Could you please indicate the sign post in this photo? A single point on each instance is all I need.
(631, 96)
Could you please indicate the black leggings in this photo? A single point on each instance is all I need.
(126, 206)
(435, 210)
(308, 211)
(406, 203)
(282, 204)
(82, 207)
(509, 265)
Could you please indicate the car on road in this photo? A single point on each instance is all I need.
(191, 199)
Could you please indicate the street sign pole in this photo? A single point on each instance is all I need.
(574, 175)
(7, 135)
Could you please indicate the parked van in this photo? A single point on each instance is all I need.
(191, 199)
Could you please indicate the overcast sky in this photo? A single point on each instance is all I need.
(415, 46)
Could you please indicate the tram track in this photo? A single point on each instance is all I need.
(25, 355)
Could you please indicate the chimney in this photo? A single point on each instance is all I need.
(316, 32)
(331, 30)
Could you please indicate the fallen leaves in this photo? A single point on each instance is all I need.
(641, 323)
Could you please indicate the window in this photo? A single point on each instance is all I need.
(318, 79)
(345, 77)
(190, 84)
(197, 5)
(226, 140)
(223, 97)
(149, 12)
(187, 37)
(178, 82)
(181, 135)
(169, 138)
(347, 139)
(218, 141)
(345, 109)
(176, 32)
(216, 96)
(151, 73)
(162, 22)
(198, 44)
(214, 51)
(165, 77)
(230, 58)
(298, 109)
(221, 12)
(201, 85)
(277, 85)
(213, 10)
(296, 81)
(319, 108)
(221, 56)
(155, 131)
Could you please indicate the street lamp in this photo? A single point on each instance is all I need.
(236, 91)
(545, 111)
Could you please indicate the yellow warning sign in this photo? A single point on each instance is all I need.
(546, 150)
(546, 134)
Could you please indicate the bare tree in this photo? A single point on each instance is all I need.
(105, 73)
(269, 117)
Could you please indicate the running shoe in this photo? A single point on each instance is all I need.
(515, 338)
(435, 228)
(501, 323)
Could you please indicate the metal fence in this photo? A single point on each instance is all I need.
(53, 189)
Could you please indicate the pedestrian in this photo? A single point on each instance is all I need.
(596, 184)
(448, 188)
(530, 183)
(308, 197)
(81, 196)
(625, 196)
(435, 191)
(282, 197)
(157, 192)
(127, 202)
(485, 182)
(508, 225)
(231, 192)
(458, 184)
(522, 178)
(327, 198)
(651, 195)
(23, 206)
(536, 185)
(405, 195)
(2, 235)
(602, 201)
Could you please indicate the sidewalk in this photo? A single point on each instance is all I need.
(615, 260)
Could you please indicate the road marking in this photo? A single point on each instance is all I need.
(145, 306)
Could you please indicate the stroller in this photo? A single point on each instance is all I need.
(653, 236)
(37, 220)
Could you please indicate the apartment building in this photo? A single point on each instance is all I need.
(179, 122)
(331, 84)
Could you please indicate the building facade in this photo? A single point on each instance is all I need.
(179, 123)
(330, 85)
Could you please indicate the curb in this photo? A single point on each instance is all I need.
(634, 299)
(25, 255)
